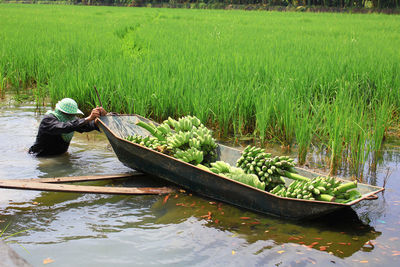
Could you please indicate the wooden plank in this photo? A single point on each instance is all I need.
(27, 185)
(82, 178)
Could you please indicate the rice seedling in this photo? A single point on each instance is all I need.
(304, 130)
(2, 86)
(5, 238)
(380, 124)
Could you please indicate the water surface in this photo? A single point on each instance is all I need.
(184, 229)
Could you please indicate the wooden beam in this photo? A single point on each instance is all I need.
(28, 185)
(82, 178)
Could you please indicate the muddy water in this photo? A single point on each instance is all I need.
(90, 230)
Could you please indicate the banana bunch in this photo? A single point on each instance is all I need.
(201, 130)
(224, 169)
(268, 169)
(172, 123)
(183, 134)
(191, 155)
(205, 137)
(194, 126)
(201, 137)
(194, 142)
(164, 129)
(325, 185)
(220, 167)
(134, 138)
(195, 121)
(297, 189)
(319, 188)
(178, 140)
(148, 141)
(183, 124)
(345, 192)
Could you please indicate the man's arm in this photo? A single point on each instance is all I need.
(51, 125)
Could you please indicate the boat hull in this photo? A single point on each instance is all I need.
(206, 183)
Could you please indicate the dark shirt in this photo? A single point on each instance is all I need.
(49, 140)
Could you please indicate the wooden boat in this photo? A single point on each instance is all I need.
(208, 184)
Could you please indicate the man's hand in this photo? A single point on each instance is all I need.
(103, 112)
(94, 114)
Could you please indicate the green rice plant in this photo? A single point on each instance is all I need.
(358, 148)
(383, 118)
(264, 114)
(2, 86)
(252, 74)
(304, 130)
(285, 116)
(335, 144)
(338, 116)
(6, 237)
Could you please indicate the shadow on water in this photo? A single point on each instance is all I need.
(341, 233)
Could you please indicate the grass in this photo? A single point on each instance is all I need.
(5, 237)
(295, 78)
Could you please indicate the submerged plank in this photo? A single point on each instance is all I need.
(28, 185)
(83, 178)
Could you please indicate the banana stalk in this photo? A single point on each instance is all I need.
(151, 129)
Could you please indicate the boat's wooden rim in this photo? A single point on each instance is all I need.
(366, 196)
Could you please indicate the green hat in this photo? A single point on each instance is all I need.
(68, 106)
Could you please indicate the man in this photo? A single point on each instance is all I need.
(57, 128)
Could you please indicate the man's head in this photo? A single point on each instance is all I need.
(68, 106)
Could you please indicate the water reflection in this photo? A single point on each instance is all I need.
(340, 234)
(179, 230)
(61, 165)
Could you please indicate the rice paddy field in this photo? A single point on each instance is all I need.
(324, 87)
